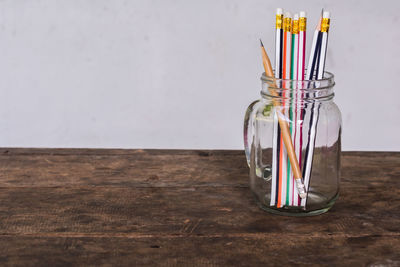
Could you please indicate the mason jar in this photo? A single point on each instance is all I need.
(313, 123)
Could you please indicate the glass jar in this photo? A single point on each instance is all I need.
(314, 127)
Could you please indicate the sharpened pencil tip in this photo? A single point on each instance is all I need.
(262, 45)
(300, 188)
(320, 21)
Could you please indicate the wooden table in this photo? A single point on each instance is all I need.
(185, 208)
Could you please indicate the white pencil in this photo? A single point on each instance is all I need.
(293, 194)
(324, 45)
(299, 94)
(302, 45)
(320, 66)
(313, 54)
(278, 43)
(278, 74)
(287, 52)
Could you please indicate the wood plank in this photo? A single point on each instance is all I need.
(161, 168)
(132, 168)
(175, 211)
(200, 251)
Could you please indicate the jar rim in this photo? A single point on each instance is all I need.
(311, 89)
(328, 76)
(283, 85)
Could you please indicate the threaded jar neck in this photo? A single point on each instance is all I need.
(287, 90)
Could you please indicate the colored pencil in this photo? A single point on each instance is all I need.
(298, 138)
(292, 192)
(324, 45)
(314, 117)
(314, 51)
(284, 163)
(276, 135)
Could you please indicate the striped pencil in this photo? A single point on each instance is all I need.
(283, 158)
(298, 137)
(291, 191)
(302, 45)
(314, 51)
(278, 43)
(277, 130)
(324, 44)
(317, 60)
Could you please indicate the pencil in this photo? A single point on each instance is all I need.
(302, 45)
(284, 163)
(292, 192)
(287, 45)
(314, 51)
(298, 143)
(324, 44)
(320, 67)
(309, 151)
(278, 43)
(277, 130)
(284, 128)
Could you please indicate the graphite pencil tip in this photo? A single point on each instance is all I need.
(320, 20)
(262, 45)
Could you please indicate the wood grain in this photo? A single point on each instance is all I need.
(185, 208)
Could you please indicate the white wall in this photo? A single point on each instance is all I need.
(179, 74)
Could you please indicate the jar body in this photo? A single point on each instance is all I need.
(315, 130)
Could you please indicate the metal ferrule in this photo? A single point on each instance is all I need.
(295, 27)
(287, 24)
(302, 24)
(279, 21)
(325, 25)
